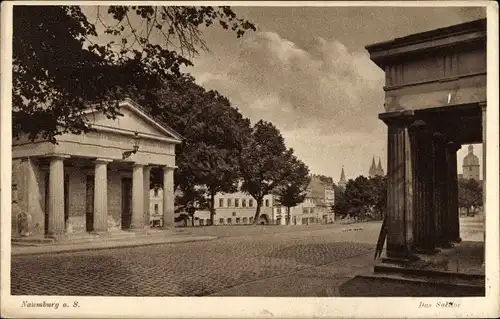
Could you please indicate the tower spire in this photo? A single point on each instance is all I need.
(342, 181)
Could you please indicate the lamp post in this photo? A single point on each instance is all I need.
(135, 147)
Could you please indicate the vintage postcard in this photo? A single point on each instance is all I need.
(233, 159)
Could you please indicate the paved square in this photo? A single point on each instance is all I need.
(244, 256)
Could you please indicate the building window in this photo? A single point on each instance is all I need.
(278, 210)
(229, 202)
(237, 220)
(234, 213)
(236, 203)
(221, 221)
(202, 222)
(229, 221)
(156, 192)
(267, 202)
(243, 203)
(208, 223)
(245, 220)
(305, 210)
(250, 203)
(156, 209)
(221, 202)
(251, 220)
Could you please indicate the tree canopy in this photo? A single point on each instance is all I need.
(60, 66)
(470, 193)
(293, 191)
(362, 197)
(263, 162)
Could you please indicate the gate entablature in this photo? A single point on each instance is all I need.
(442, 67)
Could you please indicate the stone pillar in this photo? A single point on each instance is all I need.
(137, 197)
(424, 230)
(56, 224)
(453, 213)
(101, 195)
(440, 177)
(168, 197)
(483, 113)
(147, 176)
(399, 193)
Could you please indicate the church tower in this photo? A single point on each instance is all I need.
(373, 169)
(470, 167)
(342, 181)
(380, 170)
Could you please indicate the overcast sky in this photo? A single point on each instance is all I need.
(306, 70)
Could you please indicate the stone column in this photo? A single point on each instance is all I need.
(421, 143)
(137, 197)
(453, 213)
(147, 176)
(400, 220)
(440, 175)
(56, 226)
(101, 195)
(168, 197)
(483, 113)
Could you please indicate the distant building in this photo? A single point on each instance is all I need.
(239, 208)
(470, 167)
(376, 170)
(342, 182)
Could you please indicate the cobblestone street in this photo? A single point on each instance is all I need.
(245, 260)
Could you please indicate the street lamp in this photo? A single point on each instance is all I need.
(135, 147)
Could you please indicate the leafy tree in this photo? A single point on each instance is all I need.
(379, 195)
(294, 189)
(191, 199)
(61, 63)
(214, 134)
(470, 193)
(362, 196)
(263, 163)
(341, 206)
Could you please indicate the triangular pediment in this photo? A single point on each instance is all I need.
(133, 119)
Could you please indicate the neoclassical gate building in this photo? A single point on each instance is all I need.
(435, 101)
(95, 182)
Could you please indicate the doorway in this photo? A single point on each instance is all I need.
(126, 218)
(89, 204)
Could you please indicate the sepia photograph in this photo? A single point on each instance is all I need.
(325, 152)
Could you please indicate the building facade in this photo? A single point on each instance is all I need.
(470, 166)
(93, 183)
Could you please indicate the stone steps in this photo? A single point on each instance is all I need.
(91, 237)
(432, 275)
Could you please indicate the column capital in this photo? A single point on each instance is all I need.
(482, 105)
(168, 167)
(57, 156)
(102, 160)
(453, 146)
(400, 118)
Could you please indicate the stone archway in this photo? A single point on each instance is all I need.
(264, 219)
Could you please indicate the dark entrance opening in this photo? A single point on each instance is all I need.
(89, 204)
(126, 218)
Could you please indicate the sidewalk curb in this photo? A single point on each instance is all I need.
(54, 249)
